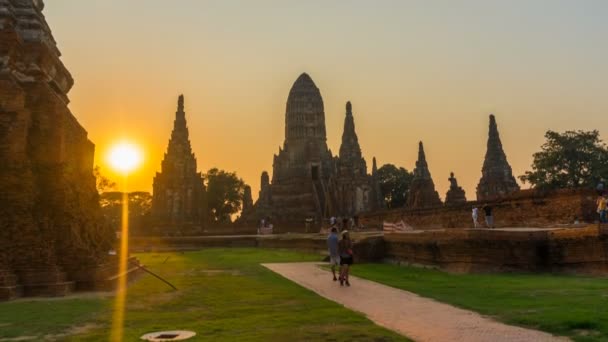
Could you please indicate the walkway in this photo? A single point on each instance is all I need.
(418, 318)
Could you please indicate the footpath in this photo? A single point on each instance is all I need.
(420, 319)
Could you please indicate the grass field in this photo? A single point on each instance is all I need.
(563, 305)
(224, 295)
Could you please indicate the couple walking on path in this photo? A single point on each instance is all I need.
(340, 254)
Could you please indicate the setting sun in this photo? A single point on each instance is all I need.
(124, 157)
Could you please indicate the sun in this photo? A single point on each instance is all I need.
(125, 157)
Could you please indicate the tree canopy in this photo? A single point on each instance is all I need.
(573, 159)
(140, 204)
(102, 182)
(225, 192)
(394, 184)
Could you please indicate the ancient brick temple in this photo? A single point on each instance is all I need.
(308, 182)
(356, 191)
(497, 177)
(51, 239)
(455, 194)
(178, 198)
(422, 192)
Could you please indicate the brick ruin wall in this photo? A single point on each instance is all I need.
(51, 239)
(573, 250)
(526, 208)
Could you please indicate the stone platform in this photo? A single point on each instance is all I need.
(565, 250)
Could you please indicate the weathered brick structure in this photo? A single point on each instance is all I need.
(50, 234)
(308, 182)
(422, 192)
(496, 175)
(525, 208)
(179, 201)
(355, 191)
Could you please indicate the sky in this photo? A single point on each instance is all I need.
(413, 70)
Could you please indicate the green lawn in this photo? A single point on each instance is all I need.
(224, 295)
(562, 305)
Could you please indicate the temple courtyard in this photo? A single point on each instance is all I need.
(228, 294)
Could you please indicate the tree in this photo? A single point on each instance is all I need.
(225, 192)
(140, 204)
(102, 182)
(573, 159)
(394, 184)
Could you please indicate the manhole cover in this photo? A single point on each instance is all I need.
(172, 335)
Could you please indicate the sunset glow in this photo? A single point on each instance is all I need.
(125, 157)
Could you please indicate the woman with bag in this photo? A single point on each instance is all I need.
(346, 257)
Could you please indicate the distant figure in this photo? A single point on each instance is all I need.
(602, 203)
(600, 188)
(345, 248)
(332, 221)
(345, 223)
(332, 247)
(475, 215)
(489, 217)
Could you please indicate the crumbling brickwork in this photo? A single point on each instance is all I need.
(49, 210)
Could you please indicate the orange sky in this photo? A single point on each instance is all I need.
(412, 71)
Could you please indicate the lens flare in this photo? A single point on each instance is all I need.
(125, 157)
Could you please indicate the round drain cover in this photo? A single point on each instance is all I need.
(171, 335)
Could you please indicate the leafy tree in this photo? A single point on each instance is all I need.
(573, 159)
(102, 182)
(140, 204)
(225, 192)
(394, 184)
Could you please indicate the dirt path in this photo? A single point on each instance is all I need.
(418, 318)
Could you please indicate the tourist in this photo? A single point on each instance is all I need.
(602, 202)
(332, 247)
(332, 221)
(345, 248)
(600, 188)
(475, 214)
(489, 217)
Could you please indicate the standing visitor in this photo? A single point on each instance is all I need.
(602, 204)
(346, 257)
(489, 217)
(600, 188)
(475, 214)
(332, 247)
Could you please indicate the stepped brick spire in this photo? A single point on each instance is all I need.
(376, 194)
(308, 183)
(350, 151)
(422, 190)
(497, 177)
(374, 166)
(301, 187)
(247, 200)
(178, 204)
(354, 184)
(455, 194)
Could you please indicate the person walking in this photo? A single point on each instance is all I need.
(346, 257)
(475, 215)
(332, 247)
(602, 207)
(489, 217)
